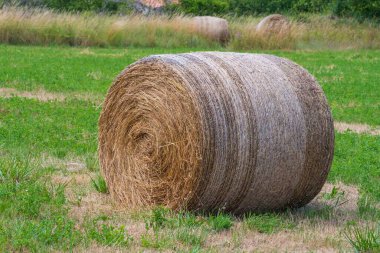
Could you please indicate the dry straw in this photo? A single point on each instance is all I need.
(211, 131)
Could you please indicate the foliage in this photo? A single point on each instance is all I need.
(255, 7)
(76, 5)
(366, 9)
(360, 9)
(204, 7)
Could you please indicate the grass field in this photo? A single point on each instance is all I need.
(45, 27)
(51, 194)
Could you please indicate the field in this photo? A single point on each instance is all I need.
(45, 27)
(52, 196)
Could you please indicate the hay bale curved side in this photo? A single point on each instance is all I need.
(274, 24)
(213, 27)
(211, 131)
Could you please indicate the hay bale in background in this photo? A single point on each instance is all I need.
(275, 24)
(212, 27)
(210, 131)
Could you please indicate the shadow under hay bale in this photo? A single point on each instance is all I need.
(212, 27)
(274, 25)
(215, 131)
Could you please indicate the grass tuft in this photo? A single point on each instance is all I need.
(368, 208)
(109, 235)
(158, 219)
(365, 239)
(162, 217)
(92, 163)
(156, 241)
(267, 223)
(334, 194)
(191, 237)
(220, 221)
(99, 184)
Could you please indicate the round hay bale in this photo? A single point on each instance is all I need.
(212, 131)
(213, 27)
(274, 25)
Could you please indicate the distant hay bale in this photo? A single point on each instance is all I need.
(213, 27)
(215, 131)
(274, 25)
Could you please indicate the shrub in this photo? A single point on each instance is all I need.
(75, 5)
(251, 7)
(204, 7)
(359, 9)
(315, 6)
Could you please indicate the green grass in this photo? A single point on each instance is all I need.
(99, 184)
(109, 235)
(191, 237)
(349, 78)
(365, 239)
(34, 212)
(58, 129)
(267, 223)
(156, 241)
(68, 69)
(356, 161)
(220, 222)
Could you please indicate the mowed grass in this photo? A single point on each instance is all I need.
(37, 138)
(349, 78)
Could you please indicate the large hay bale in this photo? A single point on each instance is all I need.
(213, 27)
(210, 131)
(275, 24)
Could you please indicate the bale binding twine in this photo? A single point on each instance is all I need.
(215, 131)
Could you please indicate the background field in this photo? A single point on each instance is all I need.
(51, 194)
(307, 31)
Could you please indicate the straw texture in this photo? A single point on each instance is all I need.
(213, 27)
(274, 24)
(210, 131)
